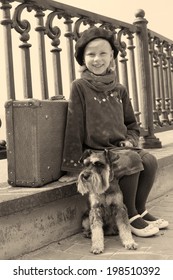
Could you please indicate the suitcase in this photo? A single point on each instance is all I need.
(35, 136)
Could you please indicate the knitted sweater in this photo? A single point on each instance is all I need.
(96, 120)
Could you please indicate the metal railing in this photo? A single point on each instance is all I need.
(144, 64)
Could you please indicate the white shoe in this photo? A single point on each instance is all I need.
(149, 230)
(160, 223)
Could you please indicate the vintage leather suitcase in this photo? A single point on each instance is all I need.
(35, 136)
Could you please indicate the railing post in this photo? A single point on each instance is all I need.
(171, 76)
(135, 102)
(70, 55)
(157, 86)
(7, 24)
(124, 76)
(170, 83)
(145, 91)
(164, 113)
(156, 120)
(54, 33)
(23, 30)
(42, 52)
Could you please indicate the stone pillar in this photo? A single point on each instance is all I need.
(145, 90)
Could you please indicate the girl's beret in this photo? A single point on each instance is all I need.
(89, 35)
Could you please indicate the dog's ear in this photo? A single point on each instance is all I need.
(86, 154)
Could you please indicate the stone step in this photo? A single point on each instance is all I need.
(31, 218)
(76, 247)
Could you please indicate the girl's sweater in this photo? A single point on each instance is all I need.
(96, 120)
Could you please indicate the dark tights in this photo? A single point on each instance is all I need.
(136, 187)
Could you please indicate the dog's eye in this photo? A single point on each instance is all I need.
(98, 164)
(86, 163)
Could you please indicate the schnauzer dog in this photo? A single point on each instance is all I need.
(107, 211)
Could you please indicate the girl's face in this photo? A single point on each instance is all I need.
(97, 56)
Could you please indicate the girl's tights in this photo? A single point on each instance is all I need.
(136, 187)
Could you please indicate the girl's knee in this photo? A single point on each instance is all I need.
(149, 161)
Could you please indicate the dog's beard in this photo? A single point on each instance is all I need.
(94, 184)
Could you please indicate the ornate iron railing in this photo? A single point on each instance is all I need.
(144, 64)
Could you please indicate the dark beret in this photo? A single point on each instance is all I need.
(89, 35)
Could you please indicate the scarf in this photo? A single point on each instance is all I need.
(103, 83)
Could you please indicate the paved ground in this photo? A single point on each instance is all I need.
(159, 247)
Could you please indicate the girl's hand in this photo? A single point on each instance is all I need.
(125, 143)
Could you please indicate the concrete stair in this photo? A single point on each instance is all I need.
(31, 218)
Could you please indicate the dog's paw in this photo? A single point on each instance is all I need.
(97, 250)
(130, 245)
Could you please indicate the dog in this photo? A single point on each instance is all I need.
(107, 211)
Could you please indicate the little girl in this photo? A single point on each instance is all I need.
(100, 116)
